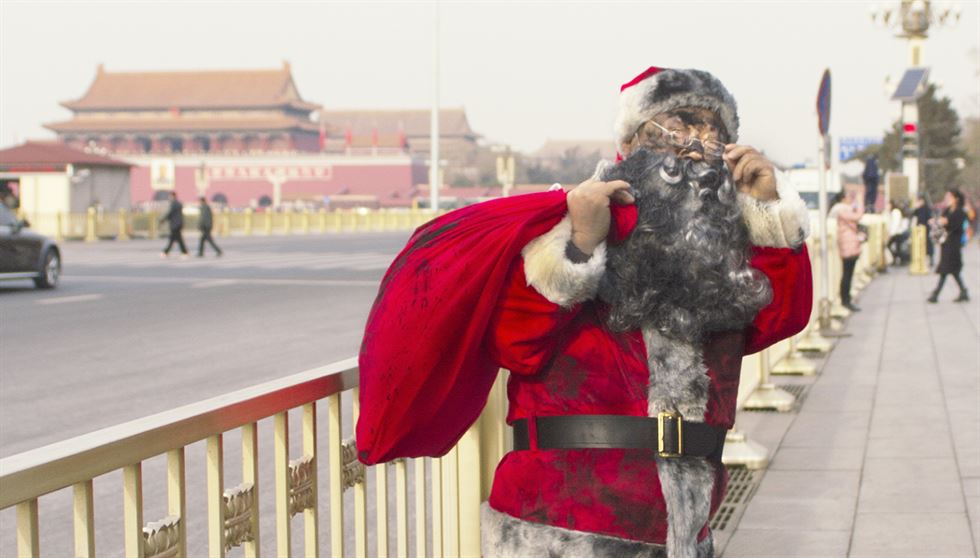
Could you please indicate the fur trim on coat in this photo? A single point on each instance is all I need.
(781, 223)
(557, 278)
(505, 536)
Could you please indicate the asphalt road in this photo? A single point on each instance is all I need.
(128, 334)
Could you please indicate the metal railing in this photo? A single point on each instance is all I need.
(446, 504)
(96, 225)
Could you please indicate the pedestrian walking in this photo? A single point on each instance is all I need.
(175, 217)
(922, 216)
(848, 210)
(205, 223)
(953, 220)
(898, 233)
(871, 177)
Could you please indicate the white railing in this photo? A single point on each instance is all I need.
(756, 367)
(444, 519)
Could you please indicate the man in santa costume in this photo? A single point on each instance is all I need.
(622, 310)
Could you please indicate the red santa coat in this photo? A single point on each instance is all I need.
(549, 332)
(564, 362)
(417, 400)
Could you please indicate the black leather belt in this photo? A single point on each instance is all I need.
(668, 434)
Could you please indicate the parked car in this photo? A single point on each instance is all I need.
(25, 254)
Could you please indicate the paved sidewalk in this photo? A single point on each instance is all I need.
(883, 456)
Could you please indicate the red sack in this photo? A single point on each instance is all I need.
(424, 375)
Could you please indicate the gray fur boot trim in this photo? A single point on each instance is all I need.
(505, 536)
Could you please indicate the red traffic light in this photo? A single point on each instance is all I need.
(910, 128)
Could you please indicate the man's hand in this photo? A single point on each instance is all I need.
(588, 209)
(751, 171)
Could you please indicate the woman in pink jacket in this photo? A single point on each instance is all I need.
(848, 211)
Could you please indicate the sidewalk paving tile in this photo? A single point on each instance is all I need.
(911, 485)
(828, 430)
(817, 459)
(883, 456)
(768, 543)
(902, 447)
(797, 514)
(894, 535)
(807, 485)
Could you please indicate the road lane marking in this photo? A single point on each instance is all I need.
(64, 299)
(215, 283)
(161, 279)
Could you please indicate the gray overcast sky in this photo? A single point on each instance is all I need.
(524, 71)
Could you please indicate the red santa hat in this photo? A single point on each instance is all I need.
(659, 90)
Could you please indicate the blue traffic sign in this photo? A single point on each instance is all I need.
(823, 103)
(852, 145)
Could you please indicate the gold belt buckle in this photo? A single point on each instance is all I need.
(661, 417)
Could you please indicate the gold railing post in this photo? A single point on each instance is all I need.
(28, 542)
(322, 219)
(335, 467)
(123, 225)
(794, 363)
(360, 495)
(401, 507)
(154, 222)
(421, 546)
(216, 501)
(225, 222)
(768, 395)
(268, 222)
(250, 474)
(436, 478)
(249, 214)
(281, 443)
(287, 219)
(918, 266)
(450, 502)
(176, 497)
(133, 510)
(306, 221)
(469, 492)
(381, 506)
(84, 511)
(309, 449)
(60, 233)
(90, 235)
(882, 246)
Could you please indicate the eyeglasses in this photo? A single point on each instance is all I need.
(677, 138)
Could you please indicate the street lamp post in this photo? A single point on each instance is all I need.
(434, 178)
(911, 20)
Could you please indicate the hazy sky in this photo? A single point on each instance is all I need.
(524, 71)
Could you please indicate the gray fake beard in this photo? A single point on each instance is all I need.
(684, 270)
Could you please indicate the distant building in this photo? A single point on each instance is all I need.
(552, 154)
(220, 112)
(380, 131)
(49, 178)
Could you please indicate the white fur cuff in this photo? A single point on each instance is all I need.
(782, 223)
(557, 278)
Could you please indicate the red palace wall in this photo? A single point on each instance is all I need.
(393, 184)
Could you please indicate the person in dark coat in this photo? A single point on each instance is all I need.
(953, 220)
(921, 216)
(175, 217)
(870, 176)
(205, 223)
